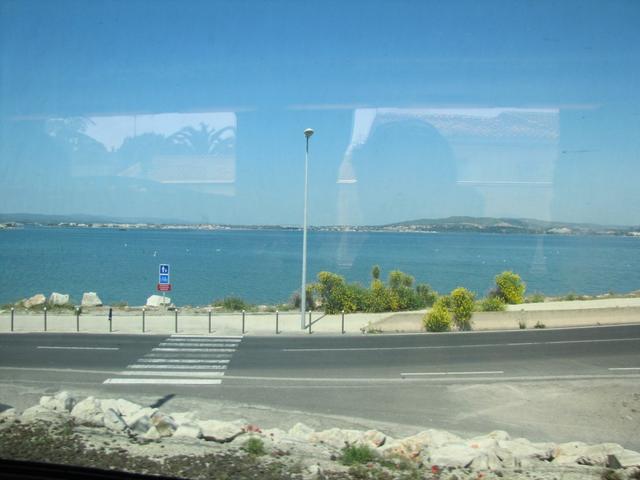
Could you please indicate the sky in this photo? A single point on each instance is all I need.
(195, 110)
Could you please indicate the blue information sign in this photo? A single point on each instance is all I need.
(164, 269)
(164, 279)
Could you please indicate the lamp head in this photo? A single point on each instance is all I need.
(308, 132)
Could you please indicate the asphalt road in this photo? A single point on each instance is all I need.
(474, 381)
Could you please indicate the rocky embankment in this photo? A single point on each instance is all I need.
(116, 433)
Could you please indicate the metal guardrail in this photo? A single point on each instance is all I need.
(144, 312)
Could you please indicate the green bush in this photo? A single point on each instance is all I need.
(510, 287)
(254, 446)
(232, 304)
(398, 279)
(375, 272)
(381, 299)
(438, 319)
(334, 293)
(358, 296)
(357, 454)
(462, 306)
(492, 304)
(426, 295)
(535, 298)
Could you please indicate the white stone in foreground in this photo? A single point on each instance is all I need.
(91, 299)
(89, 412)
(37, 299)
(158, 301)
(58, 299)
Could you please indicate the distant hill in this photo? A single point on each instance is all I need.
(506, 225)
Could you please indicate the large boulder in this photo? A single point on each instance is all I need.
(454, 455)
(91, 299)
(58, 299)
(158, 301)
(221, 432)
(114, 421)
(37, 299)
(88, 412)
(60, 402)
(164, 424)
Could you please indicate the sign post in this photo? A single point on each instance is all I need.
(164, 283)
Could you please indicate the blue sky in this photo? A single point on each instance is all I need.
(422, 109)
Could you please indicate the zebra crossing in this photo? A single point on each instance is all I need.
(181, 360)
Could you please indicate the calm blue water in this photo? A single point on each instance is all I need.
(264, 266)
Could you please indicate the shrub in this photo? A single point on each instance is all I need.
(375, 272)
(426, 295)
(539, 324)
(438, 319)
(357, 454)
(492, 304)
(462, 306)
(398, 279)
(510, 287)
(381, 299)
(310, 300)
(358, 297)
(254, 446)
(536, 298)
(334, 293)
(232, 304)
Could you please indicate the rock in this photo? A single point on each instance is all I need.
(628, 458)
(183, 417)
(89, 412)
(521, 448)
(60, 402)
(373, 438)
(598, 454)
(58, 299)
(335, 437)
(300, 431)
(152, 434)
(314, 470)
(569, 453)
(158, 301)
(113, 421)
(188, 431)
(91, 299)
(411, 447)
(140, 421)
(164, 424)
(37, 299)
(127, 408)
(486, 461)
(9, 414)
(222, 432)
(453, 455)
(40, 413)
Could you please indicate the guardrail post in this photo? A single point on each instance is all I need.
(243, 322)
(277, 314)
(143, 311)
(209, 320)
(77, 319)
(110, 319)
(45, 319)
(309, 322)
(176, 313)
(343, 321)
(12, 319)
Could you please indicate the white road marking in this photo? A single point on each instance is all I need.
(162, 349)
(488, 372)
(440, 347)
(161, 381)
(190, 367)
(625, 368)
(181, 360)
(46, 347)
(192, 344)
(174, 374)
(184, 335)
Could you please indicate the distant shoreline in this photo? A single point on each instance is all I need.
(435, 229)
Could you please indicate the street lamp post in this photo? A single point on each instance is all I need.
(303, 290)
